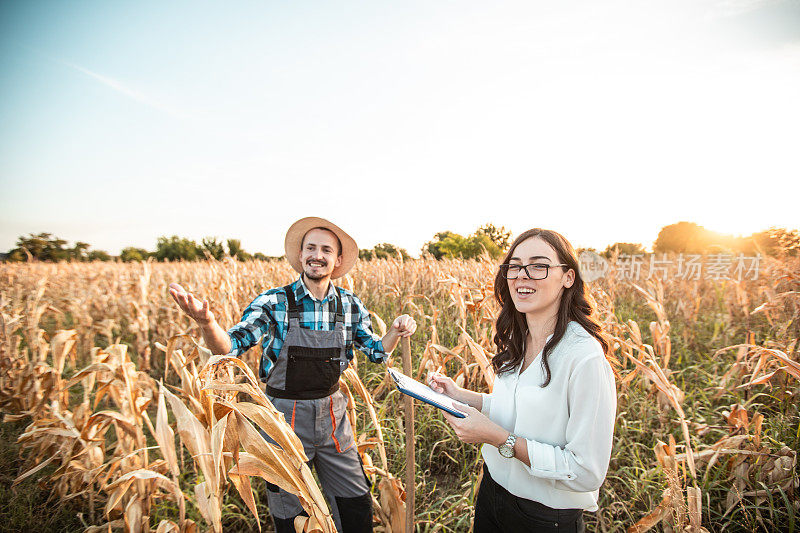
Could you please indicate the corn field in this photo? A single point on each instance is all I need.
(115, 412)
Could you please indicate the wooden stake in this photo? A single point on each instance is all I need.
(408, 404)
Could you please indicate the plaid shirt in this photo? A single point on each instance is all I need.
(266, 319)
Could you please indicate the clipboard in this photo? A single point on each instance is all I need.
(423, 393)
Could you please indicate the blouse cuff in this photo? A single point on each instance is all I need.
(547, 462)
(485, 403)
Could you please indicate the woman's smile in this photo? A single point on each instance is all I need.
(524, 292)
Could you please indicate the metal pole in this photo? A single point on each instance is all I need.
(408, 404)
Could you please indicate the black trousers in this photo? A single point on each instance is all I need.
(499, 511)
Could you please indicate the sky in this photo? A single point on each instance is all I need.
(603, 120)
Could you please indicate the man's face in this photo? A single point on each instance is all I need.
(319, 254)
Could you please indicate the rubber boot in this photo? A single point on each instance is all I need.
(286, 525)
(356, 513)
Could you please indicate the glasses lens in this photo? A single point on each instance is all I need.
(510, 271)
(538, 271)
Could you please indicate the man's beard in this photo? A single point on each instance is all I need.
(311, 275)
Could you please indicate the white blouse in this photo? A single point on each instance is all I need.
(568, 425)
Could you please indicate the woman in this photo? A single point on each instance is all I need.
(546, 427)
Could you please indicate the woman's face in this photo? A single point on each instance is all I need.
(538, 296)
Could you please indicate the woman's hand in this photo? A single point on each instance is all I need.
(475, 428)
(444, 385)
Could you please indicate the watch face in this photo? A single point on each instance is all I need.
(506, 451)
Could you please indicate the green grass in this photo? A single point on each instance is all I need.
(28, 506)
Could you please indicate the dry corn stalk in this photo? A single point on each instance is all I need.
(391, 507)
(232, 427)
(680, 509)
(110, 301)
(748, 459)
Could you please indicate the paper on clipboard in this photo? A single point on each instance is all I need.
(422, 392)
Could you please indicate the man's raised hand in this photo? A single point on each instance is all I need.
(404, 326)
(194, 308)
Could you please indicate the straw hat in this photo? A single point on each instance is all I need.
(298, 230)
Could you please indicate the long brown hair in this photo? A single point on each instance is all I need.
(576, 304)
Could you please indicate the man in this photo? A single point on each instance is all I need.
(308, 330)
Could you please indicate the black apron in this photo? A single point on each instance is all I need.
(310, 361)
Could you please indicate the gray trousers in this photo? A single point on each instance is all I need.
(327, 437)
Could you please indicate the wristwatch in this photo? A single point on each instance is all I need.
(507, 448)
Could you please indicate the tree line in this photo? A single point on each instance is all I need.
(691, 238)
(488, 239)
(46, 247)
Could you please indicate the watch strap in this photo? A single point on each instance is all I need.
(511, 440)
(507, 448)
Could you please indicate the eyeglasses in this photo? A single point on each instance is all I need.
(533, 271)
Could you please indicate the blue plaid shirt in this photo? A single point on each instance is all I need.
(266, 319)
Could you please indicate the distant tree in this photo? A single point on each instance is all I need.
(390, 251)
(788, 240)
(18, 255)
(456, 246)
(78, 252)
(501, 237)
(777, 241)
(212, 248)
(688, 237)
(625, 248)
(176, 248)
(41, 247)
(479, 242)
(131, 254)
(434, 247)
(683, 237)
(258, 256)
(383, 251)
(236, 251)
(234, 247)
(487, 239)
(98, 255)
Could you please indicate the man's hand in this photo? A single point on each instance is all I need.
(194, 308)
(404, 326)
(216, 338)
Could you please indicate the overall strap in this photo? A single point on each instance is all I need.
(291, 303)
(339, 307)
